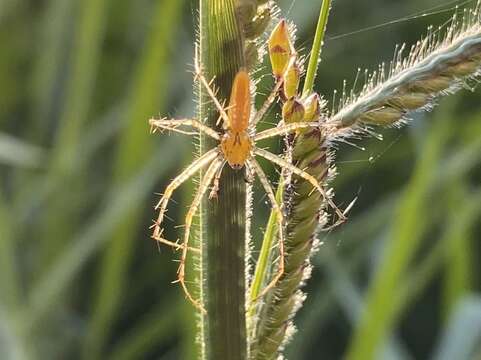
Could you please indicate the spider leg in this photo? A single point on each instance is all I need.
(285, 129)
(249, 174)
(215, 187)
(256, 168)
(179, 180)
(208, 88)
(173, 124)
(203, 187)
(272, 96)
(176, 245)
(301, 173)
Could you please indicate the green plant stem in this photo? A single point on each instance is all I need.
(315, 58)
(223, 220)
(264, 255)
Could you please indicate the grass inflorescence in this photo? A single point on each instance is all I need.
(440, 64)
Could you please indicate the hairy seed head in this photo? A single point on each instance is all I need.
(431, 69)
(293, 111)
(312, 104)
(291, 80)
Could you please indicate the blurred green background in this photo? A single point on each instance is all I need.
(79, 276)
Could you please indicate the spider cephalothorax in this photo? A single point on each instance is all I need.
(236, 144)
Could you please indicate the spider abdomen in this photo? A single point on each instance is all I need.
(239, 110)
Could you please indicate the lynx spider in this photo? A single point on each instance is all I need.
(237, 147)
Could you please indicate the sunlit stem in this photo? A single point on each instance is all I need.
(316, 48)
(256, 292)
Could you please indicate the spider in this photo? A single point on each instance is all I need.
(237, 148)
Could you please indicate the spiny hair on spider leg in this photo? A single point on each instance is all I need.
(248, 224)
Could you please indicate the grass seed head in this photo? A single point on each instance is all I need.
(435, 66)
(293, 111)
(280, 48)
(312, 105)
(292, 78)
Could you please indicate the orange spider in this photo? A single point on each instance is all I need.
(237, 147)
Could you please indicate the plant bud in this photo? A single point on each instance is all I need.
(293, 111)
(291, 80)
(280, 48)
(312, 105)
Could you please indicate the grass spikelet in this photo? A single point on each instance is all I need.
(304, 218)
(432, 68)
(280, 48)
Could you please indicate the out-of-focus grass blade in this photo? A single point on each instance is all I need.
(15, 152)
(421, 276)
(6, 6)
(85, 57)
(458, 252)
(50, 53)
(457, 225)
(407, 233)
(459, 260)
(350, 299)
(160, 324)
(463, 333)
(135, 145)
(60, 216)
(30, 198)
(12, 344)
(9, 279)
(48, 291)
